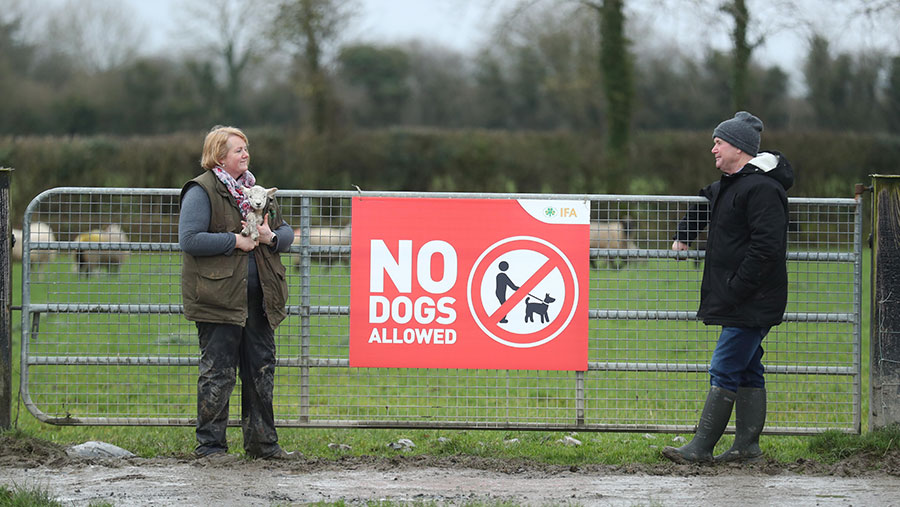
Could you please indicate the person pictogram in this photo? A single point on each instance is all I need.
(503, 282)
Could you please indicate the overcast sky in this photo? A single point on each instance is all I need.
(463, 25)
(457, 24)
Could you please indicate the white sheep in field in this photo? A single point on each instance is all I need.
(326, 236)
(89, 260)
(258, 197)
(612, 235)
(39, 232)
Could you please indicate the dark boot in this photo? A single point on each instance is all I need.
(749, 419)
(283, 455)
(713, 421)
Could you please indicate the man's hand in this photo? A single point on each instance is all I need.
(678, 246)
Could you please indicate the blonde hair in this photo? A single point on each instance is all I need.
(215, 146)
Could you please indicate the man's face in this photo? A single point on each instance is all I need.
(727, 156)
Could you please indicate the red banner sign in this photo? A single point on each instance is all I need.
(469, 283)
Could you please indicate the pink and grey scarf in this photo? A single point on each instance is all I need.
(234, 187)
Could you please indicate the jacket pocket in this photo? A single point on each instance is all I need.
(721, 298)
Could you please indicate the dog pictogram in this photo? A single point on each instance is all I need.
(539, 308)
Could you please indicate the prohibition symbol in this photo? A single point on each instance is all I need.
(522, 291)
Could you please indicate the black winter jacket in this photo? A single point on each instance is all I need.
(745, 275)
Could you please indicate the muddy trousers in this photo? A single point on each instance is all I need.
(225, 348)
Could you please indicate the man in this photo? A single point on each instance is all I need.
(744, 286)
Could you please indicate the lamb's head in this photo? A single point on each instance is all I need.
(258, 196)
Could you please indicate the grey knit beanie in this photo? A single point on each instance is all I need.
(742, 132)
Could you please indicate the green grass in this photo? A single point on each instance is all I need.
(20, 496)
(376, 394)
(833, 446)
(34, 496)
(384, 394)
(538, 446)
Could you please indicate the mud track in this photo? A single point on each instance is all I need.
(862, 480)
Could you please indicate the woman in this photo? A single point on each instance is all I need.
(234, 289)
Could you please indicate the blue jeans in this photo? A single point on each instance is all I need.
(737, 360)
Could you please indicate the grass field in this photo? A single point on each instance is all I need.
(643, 399)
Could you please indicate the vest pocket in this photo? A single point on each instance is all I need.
(281, 284)
(279, 288)
(216, 284)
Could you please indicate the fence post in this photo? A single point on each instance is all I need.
(884, 381)
(5, 303)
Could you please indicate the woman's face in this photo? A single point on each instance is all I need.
(237, 156)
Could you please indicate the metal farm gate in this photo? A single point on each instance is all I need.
(104, 341)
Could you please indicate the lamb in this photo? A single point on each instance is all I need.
(612, 235)
(326, 236)
(89, 260)
(39, 232)
(258, 198)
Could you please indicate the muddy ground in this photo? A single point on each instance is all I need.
(866, 480)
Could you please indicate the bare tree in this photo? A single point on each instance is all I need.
(309, 29)
(879, 7)
(870, 25)
(746, 25)
(96, 34)
(230, 32)
(617, 69)
(548, 60)
(741, 50)
(614, 63)
(11, 11)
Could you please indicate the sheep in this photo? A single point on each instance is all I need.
(258, 197)
(612, 235)
(326, 236)
(39, 232)
(89, 260)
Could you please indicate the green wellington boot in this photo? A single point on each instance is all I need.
(713, 421)
(749, 419)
